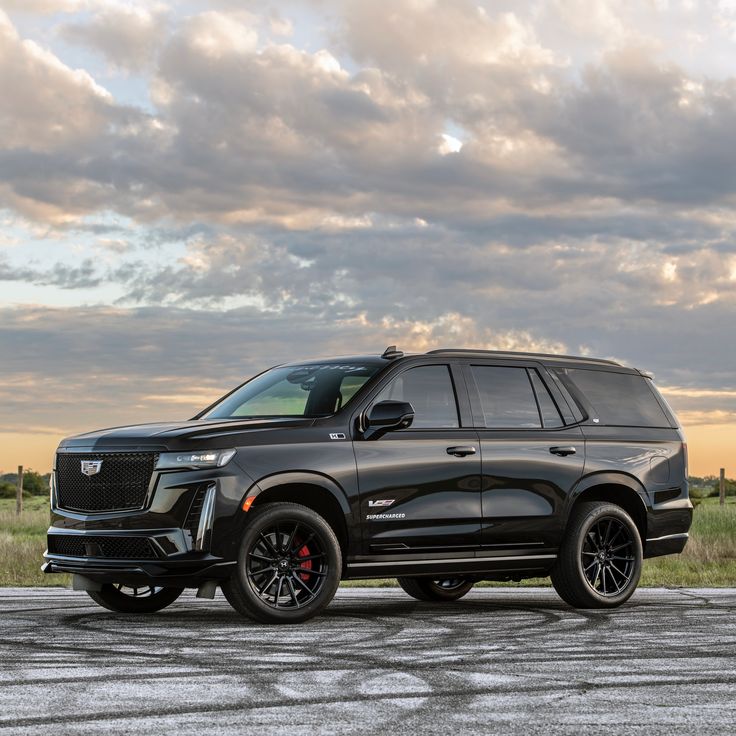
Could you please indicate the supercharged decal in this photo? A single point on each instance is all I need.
(382, 517)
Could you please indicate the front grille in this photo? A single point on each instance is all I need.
(120, 485)
(77, 545)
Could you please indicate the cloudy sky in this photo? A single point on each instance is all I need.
(191, 191)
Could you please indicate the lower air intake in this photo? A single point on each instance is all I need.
(77, 545)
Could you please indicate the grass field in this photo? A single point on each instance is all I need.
(22, 542)
(709, 560)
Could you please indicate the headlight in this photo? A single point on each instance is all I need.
(208, 459)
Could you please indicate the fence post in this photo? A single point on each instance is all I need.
(19, 492)
(722, 487)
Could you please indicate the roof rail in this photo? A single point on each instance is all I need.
(512, 353)
(390, 353)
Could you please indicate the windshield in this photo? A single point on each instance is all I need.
(312, 390)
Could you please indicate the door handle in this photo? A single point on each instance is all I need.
(461, 451)
(562, 451)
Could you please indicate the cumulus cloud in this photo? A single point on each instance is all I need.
(45, 7)
(267, 133)
(128, 36)
(46, 105)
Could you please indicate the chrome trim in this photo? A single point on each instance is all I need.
(53, 501)
(682, 535)
(204, 529)
(451, 560)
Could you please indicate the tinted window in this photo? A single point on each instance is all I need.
(303, 390)
(622, 399)
(567, 405)
(506, 397)
(547, 407)
(428, 389)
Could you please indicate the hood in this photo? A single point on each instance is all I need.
(192, 435)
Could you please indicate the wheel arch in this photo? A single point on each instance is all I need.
(619, 489)
(317, 492)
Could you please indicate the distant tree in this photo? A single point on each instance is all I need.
(34, 484)
(730, 487)
(7, 490)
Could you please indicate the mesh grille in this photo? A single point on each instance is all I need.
(121, 483)
(74, 545)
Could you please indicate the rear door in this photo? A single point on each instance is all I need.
(420, 486)
(531, 458)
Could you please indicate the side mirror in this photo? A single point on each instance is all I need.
(388, 415)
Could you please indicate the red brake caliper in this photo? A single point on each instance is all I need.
(307, 564)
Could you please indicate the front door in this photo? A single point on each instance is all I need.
(420, 486)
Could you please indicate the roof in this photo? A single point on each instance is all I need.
(469, 352)
(457, 352)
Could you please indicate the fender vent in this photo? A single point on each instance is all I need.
(195, 511)
(668, 495)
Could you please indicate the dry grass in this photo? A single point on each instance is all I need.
(22, 544)
(21, 560)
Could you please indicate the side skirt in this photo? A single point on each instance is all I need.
(491, 565)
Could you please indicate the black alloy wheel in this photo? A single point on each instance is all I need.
(600, 559)
(289, 565)
(440, 589)
(134, 599)
(608, 557)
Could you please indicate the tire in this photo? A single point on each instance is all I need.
(427, 589)
(145, 599)
(289, 565)
(600, 558)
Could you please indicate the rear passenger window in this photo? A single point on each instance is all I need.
(506, 397)
(547, 407)
(428, 388)
(620, 399)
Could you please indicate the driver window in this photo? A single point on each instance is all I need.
(429, 390)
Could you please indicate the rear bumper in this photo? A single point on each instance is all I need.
(670, 544)
(667, 528)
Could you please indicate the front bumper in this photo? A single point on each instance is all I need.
(182, 573)
(187, 533)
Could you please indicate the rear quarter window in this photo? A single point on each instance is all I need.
(620, 399)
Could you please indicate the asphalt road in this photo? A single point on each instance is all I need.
(510, 661)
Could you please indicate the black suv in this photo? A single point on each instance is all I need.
(441, 469)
